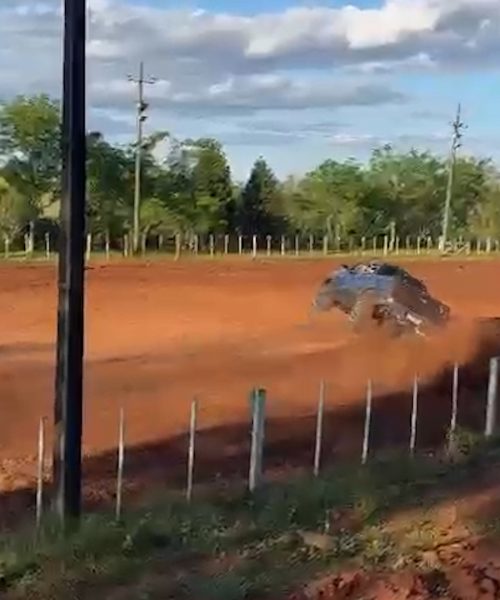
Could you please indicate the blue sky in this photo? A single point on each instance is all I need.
(296, 82)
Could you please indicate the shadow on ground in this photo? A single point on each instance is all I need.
(222, 453)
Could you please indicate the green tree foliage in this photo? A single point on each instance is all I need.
(30, 139)
(261, 201)
(108, 186)
(192, 191)
(210, 184)
(15, 211)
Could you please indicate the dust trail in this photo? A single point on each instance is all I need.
(393, 363)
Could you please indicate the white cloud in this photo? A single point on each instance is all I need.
(225, 64)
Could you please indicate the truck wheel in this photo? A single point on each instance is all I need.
(362, 313)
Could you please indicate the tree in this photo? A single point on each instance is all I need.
(410, 190)
(210, 184)
(260, 203)
(334, 192)
(30, 139)
(15, 211)
(108, 186)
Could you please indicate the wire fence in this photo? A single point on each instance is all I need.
(211, 245)
(259, 402)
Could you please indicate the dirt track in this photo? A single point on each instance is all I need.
(157, 334)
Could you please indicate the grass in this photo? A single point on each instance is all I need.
(234, 545)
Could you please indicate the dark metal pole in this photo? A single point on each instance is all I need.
(70, 317)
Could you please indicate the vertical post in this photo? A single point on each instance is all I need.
(226, 244)
(88, 249)
(240, 245)
(192, 433)
(70, 318)
(491, 409)
(311, 245)
(121, 461)
(319, 428)
(297, 250)
(268, 245)
(254, 246)
(368, 418)
(7, 247)
(325, 245)
(488, 245)
(283, 247)
(386, 244)
(177, 246)
(47, 245)
(258, 404)
(454, 404)
(414, 414)
(41, 462)
(108, 244)
(455, 144)
(418, 244)
(211, 243)
(429, 243)
(397, 245)
(26, 244)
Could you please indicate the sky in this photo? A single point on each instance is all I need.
(297, 82)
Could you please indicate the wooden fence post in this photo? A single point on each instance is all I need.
(319, 428)
(40, 470)
(368, 418)
(414, 415)
(258, 405)
(121, 460)
(491, 409)
(192, 433)
(107, 243)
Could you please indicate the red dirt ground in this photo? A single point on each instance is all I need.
(160, 333)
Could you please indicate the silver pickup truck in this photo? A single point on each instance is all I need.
(379, 294)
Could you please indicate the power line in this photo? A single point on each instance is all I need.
(457, 126)
(142, 106)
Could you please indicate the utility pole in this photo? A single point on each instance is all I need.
(457, 135)
(70, 315)
(141, 117)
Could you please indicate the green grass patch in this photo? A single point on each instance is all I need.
(236, 545)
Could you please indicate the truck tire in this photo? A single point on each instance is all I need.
(362, 313)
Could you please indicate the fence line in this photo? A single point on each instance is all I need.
(258, 401)
(255, 245)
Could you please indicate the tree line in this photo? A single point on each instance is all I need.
(192, 190)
